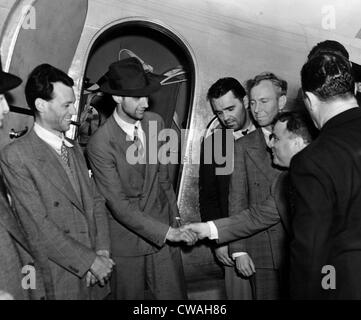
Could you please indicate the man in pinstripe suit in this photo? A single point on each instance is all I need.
(15, 253)
(56, 201)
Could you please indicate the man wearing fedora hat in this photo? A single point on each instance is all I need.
(15, 253)
(140, 197)
(55, 199)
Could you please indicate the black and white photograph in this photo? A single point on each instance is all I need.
(190, 152)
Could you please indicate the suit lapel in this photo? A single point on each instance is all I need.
(50, 166)
(84, 181)
(120, 143)
(280, 192)
(151, 137)
(257, 151)
(8, 221)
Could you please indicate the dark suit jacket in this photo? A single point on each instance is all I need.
(55, 220)
(142, 207)
(251, 184)
(326, 177)
(213, 189)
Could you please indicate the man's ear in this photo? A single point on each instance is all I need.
(117, 99)
(282, 100)
(246, 102)
(40, 105)
(357, 87)
(310, 101)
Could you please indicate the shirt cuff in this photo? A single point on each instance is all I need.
(165, 239)
(238, 254)
(213, 230)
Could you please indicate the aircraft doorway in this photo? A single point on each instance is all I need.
(164, 54)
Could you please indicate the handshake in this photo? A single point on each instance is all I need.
(189, 233)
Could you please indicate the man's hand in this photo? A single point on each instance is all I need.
(5, 296)
(102, 268)
(91, 280)
(104, 253)
(181, 234)
(201, 229)
(245, 265)
(223, 256)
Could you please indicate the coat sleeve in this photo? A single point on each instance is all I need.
(61, 248)
(209, 195)
(102, 239)
(313, 202)
(248, 222)
(238, 192)
(101, 221)
(123, 208)
(165, 183)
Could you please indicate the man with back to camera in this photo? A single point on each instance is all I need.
(326, 177)
(138, 192)
(56, 201)
(229, 103)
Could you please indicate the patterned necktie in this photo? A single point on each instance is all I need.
(138, 142)
(64, 154)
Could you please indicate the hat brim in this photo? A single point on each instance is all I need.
(356, 71)
(8, 81)
(153, 86)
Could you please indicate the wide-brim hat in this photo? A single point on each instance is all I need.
(128, 78)
(8, 81)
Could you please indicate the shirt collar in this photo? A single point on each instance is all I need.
(127, 127)
(267, 135)
(50, 138)
(239, 133)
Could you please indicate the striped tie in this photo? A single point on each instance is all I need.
(138, 142)
(64, 154)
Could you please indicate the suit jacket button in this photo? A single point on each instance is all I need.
(74, 269)
(67, 231)
(56, 204)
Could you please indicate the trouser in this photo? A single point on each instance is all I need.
(267, 284)
(237, 286)
(262, 285)
(155, 276)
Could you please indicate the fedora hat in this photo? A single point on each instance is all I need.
(127, 78)
(8, 81)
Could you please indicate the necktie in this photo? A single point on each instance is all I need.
(138, 142)
(64, 153)
(244, 132)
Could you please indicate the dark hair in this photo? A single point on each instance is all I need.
(224, 85)
(299, 123)
(328, 46)
(40, 83)
(278, 82)
(327, 75)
